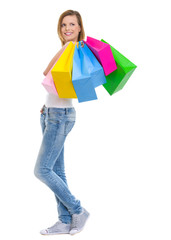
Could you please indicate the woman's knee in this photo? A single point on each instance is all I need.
(36, 172)
(41, 173)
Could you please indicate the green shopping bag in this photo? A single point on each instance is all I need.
(118, 78)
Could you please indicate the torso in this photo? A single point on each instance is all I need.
(53, 101)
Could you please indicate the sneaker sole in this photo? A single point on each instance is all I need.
(49, 234)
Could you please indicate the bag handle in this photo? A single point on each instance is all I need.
(81, 43)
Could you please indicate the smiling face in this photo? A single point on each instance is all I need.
(70, 28)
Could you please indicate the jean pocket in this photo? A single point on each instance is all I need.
(55, 117)
(42, 117)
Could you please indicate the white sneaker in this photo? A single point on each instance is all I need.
(78, 221)
(57, 228)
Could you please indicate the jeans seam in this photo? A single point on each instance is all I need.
(51, 151)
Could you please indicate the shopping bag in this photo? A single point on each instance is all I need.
(93, 66)
(81, 79)
(117, 79)
(103, 53)
(48, 83)
(62, 73)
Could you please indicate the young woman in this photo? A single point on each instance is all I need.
(57, 120)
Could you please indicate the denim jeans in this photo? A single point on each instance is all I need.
(56, 123)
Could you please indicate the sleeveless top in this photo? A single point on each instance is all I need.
(53, 101)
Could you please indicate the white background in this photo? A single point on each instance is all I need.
(118, 159)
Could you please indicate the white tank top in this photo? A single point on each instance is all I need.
(53, 101)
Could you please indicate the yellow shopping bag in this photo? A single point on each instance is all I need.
(62, 73)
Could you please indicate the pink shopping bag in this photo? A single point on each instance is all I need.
(103, 53)
(49, 85)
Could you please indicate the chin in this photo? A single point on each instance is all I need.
(67, 39)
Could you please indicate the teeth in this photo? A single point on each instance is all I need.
(68, 34)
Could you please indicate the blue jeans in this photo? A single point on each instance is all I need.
(56, 123)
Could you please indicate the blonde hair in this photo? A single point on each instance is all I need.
(81, 35)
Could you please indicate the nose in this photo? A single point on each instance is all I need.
(67, 27)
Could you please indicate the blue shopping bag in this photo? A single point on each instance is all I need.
(81, 79)
(93, 66)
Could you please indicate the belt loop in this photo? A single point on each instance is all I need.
(65, 111)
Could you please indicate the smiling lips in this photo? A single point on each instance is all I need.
(68, 33)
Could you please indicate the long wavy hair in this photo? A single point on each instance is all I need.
(81, 35)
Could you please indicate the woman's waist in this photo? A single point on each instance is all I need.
(61, 110)
(53, 101)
